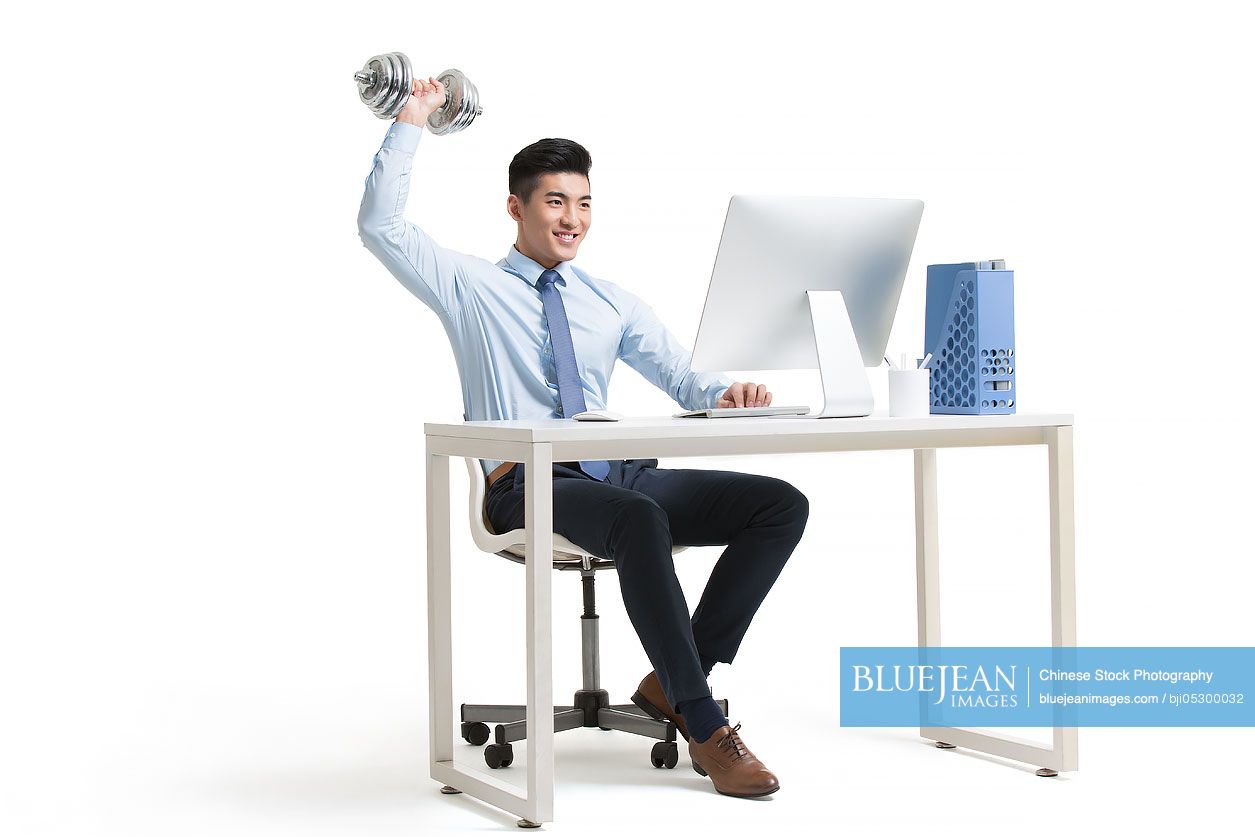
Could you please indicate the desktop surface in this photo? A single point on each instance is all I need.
(565, 430)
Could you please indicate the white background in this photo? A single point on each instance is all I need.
(211, 495)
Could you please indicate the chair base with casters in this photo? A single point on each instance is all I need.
(590, 706)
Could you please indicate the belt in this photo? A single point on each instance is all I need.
(504, 468)
(499, 472)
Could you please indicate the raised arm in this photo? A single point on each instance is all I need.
(649, 348)
(430, 272)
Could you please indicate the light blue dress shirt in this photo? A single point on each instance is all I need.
(495, 321)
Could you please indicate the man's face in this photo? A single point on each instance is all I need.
(555, 219)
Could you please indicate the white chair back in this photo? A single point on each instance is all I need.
(513, 544)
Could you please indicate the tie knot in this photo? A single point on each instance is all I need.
(547, 278)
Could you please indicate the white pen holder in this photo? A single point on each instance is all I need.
(908, 392)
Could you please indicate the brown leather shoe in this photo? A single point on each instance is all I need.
(649, 697)
(731, 766)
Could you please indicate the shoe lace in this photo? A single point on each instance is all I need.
(732, 743)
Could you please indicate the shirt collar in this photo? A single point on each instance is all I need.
(530, 271)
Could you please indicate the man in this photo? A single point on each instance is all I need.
(535, 337)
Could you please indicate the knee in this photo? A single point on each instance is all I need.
(800, 506)
(790, 504)
(803, 506)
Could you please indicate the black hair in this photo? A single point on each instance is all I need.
(547, 156)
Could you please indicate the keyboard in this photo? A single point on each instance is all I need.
(741, 412)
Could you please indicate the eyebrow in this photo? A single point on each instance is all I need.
(563, 196)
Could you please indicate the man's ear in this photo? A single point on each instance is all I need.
(513, 207)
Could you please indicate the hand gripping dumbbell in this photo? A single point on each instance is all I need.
(385, 84)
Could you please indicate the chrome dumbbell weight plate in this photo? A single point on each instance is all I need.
(461, 104)
(386, 81)
(384, 84)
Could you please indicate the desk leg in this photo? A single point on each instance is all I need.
(538, 517)
(927, 577)
(536, 805)
(439, 614)
(1062, 755)
(1062, 569)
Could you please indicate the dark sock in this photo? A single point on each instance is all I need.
(702, 716)
(707, 663)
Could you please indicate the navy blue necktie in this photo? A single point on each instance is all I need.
(570, 391)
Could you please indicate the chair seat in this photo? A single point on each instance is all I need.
(513, 544)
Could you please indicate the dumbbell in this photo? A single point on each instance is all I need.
(385, 84)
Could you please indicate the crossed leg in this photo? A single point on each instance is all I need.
(759, 518)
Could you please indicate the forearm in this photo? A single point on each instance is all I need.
(649, 348)
(382, 212)
(700, 390)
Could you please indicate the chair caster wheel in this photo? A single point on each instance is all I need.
(499, 755)
(665, 754)
(474, 732)
(449, 790)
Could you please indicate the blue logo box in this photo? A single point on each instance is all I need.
(1048, 687)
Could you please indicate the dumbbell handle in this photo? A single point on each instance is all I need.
(365, 76)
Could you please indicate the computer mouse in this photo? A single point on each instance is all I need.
(597, 415)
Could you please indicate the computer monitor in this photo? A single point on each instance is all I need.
(808, 283)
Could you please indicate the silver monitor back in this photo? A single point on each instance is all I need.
(776, 248)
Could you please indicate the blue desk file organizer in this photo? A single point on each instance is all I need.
(969, 326)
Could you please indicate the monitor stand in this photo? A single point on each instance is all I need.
(841, 373)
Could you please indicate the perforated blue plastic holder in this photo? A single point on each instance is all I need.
(969, 327)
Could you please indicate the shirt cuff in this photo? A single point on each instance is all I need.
(402, 136)
(721, 386)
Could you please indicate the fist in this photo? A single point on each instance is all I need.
(426, 97)
(746, 394)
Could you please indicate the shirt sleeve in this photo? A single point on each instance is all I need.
(437, 276)
(649, 348)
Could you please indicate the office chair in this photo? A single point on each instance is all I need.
(591, 705)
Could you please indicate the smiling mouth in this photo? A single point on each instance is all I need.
(566, 238)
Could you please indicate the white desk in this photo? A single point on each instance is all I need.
(538, 444)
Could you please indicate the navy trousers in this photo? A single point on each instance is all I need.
(634, 518)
